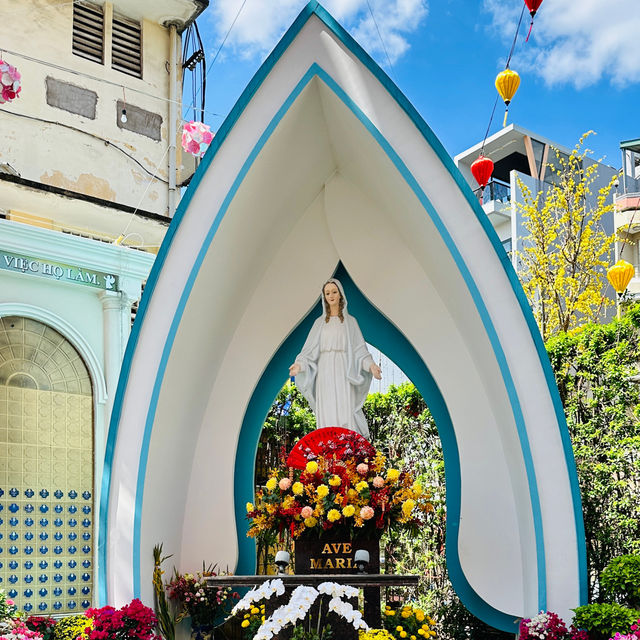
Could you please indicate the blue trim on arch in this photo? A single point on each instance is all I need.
(484, 611)
(311, 9)
(380, 332)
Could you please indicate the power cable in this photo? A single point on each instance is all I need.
(224, 40)
(384, 48)
(87, 133)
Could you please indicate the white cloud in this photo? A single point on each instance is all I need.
(263, 22)
(578, 42)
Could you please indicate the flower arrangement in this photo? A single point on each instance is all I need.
(297, 609)
(375, 634)
(134, 620)
(8, 608)
(408, 622)
(9, 82)
(204, 605)
(18, 630)
(73, 628)
(547, 625)
(252, 620)
(361, 496)
(42, 625)
(196, 138)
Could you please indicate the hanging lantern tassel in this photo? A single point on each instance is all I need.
(533, 6)
(9, 82)
(482, 168)
(507, 83)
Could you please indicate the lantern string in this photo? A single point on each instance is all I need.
(495, 104)
(515, 37)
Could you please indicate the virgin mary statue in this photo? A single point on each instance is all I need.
(334, 369)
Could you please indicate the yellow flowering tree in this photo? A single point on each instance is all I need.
(563, 259)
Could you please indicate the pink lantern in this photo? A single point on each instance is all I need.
(196, 138)
(9, 82)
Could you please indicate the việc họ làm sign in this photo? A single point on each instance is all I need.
(57, 271)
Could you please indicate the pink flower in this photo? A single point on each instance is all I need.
(378, 482)
(366, 513)
(362, 469)
(284, 484)
(306, 512)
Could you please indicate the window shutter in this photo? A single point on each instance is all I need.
(126, 46)
(88, 31)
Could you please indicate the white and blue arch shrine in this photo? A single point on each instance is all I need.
(324, 167)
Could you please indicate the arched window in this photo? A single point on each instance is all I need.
(46, 469)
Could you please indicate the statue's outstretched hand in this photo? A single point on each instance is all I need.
(294, 370)
(376, 371)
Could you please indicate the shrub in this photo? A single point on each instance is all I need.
(620, 580)
(602, 621)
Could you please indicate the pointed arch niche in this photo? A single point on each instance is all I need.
(322, 165)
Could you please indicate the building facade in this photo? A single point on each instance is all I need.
(90, 172)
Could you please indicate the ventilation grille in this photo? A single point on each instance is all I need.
(126, 46)
(88, 31)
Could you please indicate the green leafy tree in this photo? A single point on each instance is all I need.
(596, 369)
(563, 257)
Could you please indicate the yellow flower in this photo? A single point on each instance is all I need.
(272, 483)
(403, 634)
(322, 490)
(352, 494)
(417, 488)
(419, 615)
(333, 514)
(420, 632)
(399, 628)
(335, 481)
(311, 467)
(255, 610)
(249, 507)
(413, 638)
(405, 613)
(310, 522)
(392, 475)
(348, 511)
(361, 486)
(407, 507)
(297, 488)
(244, 624)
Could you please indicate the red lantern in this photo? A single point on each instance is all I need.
(482, 168)
(533, 6)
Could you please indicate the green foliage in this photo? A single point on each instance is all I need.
(72, 628)
(595, 368)
(289, 417)
(620, 580)
(604, 620)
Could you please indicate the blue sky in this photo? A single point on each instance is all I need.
(579, 71)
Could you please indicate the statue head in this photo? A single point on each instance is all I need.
(329, 290)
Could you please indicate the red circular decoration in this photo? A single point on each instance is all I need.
(330, 441)
(482, 169)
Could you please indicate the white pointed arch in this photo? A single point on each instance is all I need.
(324, 161)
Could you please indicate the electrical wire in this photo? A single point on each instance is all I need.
(86, 133)
(224, 40)
(108, 82)
(375, 22)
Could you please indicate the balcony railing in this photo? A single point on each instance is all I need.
(627, 201)
(495, 191)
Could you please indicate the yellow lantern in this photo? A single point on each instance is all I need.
(507, 83)
(620, 275)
